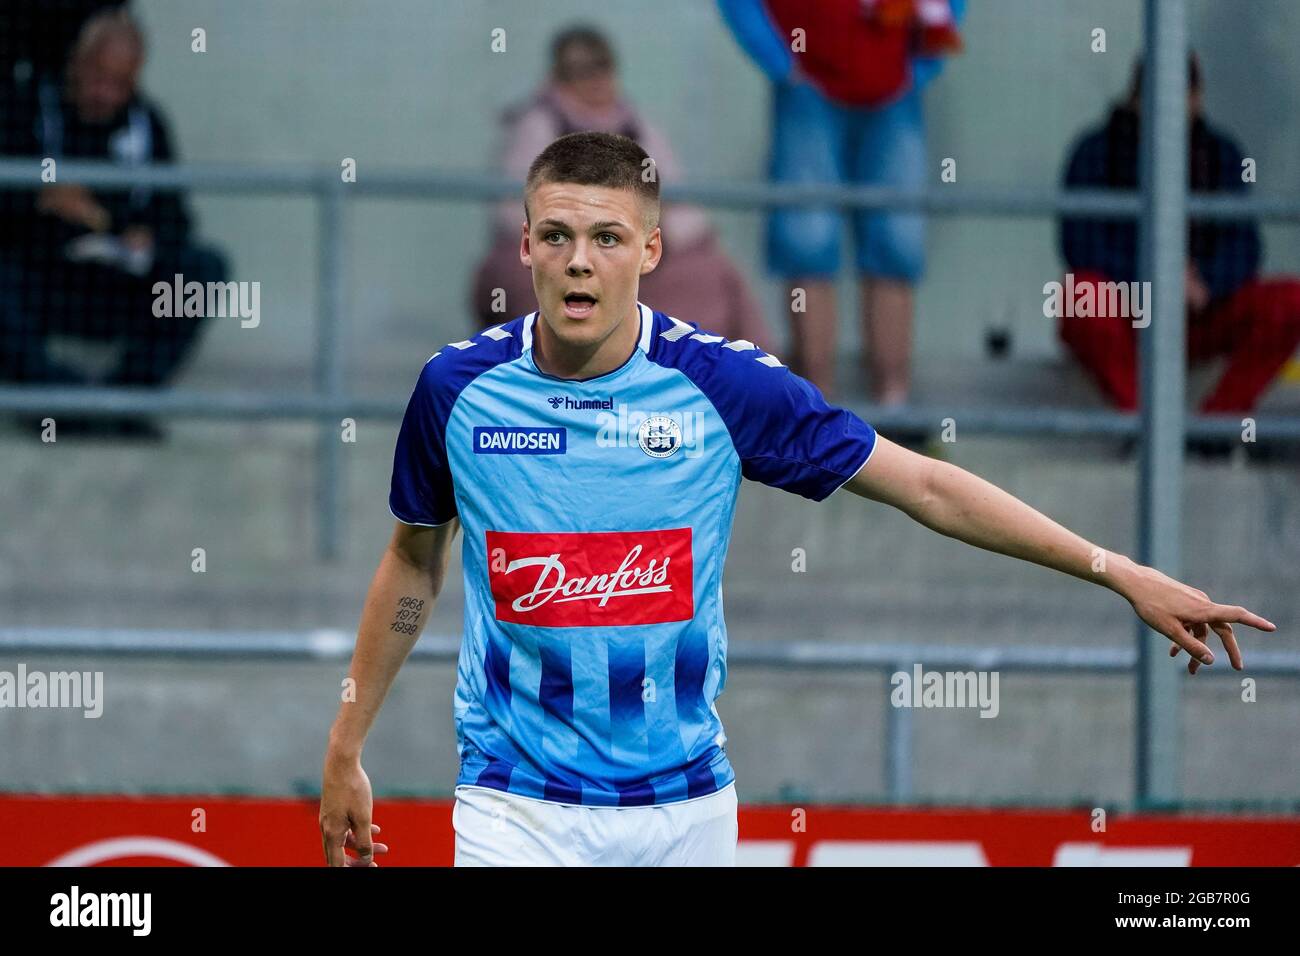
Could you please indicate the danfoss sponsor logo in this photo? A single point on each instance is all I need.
(597, 587)
(586, 579)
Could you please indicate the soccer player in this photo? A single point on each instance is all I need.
(591, 452)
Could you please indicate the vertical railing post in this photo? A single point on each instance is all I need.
(331, 295)
(898, 745)
(1163, 229)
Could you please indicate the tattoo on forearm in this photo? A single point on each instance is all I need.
(408, 615)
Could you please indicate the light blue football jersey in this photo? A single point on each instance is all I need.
(596, 516)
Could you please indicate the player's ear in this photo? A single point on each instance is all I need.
(653, 252)
(525, 248)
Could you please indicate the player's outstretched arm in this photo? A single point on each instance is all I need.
(956, 503)
(401, 597)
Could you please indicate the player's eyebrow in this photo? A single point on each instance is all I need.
(595, 226)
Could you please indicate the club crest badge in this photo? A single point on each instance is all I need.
(659, 436)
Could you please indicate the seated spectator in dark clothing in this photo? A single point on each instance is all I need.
(81, 262)
(36, 35)
(1230, 310)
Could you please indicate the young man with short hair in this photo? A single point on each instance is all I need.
(592, 452)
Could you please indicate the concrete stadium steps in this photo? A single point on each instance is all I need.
(99, 533)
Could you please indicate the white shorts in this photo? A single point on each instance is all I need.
(494, 828)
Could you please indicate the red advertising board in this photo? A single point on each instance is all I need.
(237, 831)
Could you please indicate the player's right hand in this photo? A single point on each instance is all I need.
(345, 809)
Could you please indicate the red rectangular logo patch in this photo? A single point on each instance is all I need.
(591, 579)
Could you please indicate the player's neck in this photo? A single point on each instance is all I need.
(557, 358)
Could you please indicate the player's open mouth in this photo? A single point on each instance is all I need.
(579, 305)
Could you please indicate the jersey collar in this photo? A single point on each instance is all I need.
(643, 343)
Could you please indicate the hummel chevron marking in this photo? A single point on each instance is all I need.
(679, 329)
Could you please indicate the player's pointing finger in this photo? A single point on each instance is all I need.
(1228, 613)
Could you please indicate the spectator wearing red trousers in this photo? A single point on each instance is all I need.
(1231, 310)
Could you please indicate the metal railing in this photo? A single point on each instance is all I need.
(331, 400)
(330, 645)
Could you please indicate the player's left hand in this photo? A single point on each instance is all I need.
(1186, 616)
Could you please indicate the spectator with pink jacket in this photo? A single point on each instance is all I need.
(695, 275)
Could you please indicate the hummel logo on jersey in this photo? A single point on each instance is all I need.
(581, 404)
(601, 578)
(507, 440)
